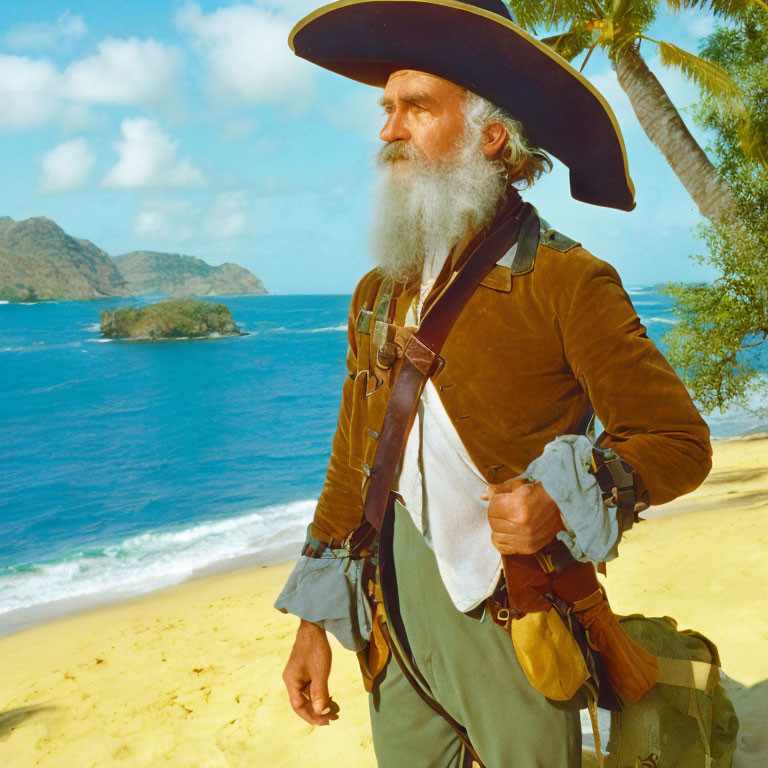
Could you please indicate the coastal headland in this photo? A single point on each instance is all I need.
(39, 261)
(191, 675)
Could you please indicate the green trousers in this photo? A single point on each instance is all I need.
(470, 668)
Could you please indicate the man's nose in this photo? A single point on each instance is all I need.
(395, 129)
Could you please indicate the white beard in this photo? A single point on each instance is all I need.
(423, 210)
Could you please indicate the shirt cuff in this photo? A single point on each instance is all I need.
(591, 527)
(327, 591)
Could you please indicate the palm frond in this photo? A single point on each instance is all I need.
(634, 15)
(728, 8)
(530, 14)
(527, 15)
(571, 43)
(724, 93)
(713, 81)
(635, 12)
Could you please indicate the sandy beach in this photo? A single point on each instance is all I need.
(190, 676)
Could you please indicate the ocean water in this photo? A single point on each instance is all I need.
(129, 466)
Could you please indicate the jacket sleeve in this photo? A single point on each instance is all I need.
(340, 506)
(646, 411)
(327, 591)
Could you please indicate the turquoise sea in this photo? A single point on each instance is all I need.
(129, 466)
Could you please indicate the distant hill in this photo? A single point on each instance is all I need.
(176, 275)
(39, 260)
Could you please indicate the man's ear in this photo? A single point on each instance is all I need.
(495, 136)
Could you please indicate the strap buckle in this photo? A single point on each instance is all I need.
(422, 357)
(615, 479)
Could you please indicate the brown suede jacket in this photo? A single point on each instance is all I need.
(527, 347)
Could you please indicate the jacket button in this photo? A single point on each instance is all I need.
(386, 355)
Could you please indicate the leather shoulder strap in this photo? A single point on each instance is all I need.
(422, 360)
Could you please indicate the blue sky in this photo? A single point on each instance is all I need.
(189, 127)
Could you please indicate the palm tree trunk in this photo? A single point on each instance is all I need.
(665, 128)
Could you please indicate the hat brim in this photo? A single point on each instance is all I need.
(560, 110)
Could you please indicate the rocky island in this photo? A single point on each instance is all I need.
(170, 319)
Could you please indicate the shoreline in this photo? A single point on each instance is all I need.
(176, 338)
(190, 675)
(21, 619)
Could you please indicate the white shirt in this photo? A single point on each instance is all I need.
(441, 488)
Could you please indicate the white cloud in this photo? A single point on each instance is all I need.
(698, 25)
(67, 167)
(128, 72)
(165, 220)
(149, 158)
(149, 223)
(357, 110)
(239, 128)
(43, 34)
(132, 72)
(246, 52)
(227, 217)
(28, 91)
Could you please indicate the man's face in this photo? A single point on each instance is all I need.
(424, 112)
(437, 178)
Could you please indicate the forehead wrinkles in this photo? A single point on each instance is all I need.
(414, 81)
(408, 97)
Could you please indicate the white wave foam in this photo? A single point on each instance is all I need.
(666, 320)
(99, 341)
(154, 559)
(4, 301)
(325, 329)
(329, 328)
(92, 326)
(40, 346)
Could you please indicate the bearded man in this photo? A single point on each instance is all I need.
(494, 463)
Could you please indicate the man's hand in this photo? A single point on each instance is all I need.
(522, 515)
(306, 676)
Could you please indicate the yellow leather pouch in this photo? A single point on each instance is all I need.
(549, 654)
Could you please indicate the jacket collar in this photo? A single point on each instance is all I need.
(519, 259)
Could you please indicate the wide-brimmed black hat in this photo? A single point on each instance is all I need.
(476, 45)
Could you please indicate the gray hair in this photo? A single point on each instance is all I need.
(521, 161)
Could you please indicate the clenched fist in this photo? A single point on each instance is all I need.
(522, 515)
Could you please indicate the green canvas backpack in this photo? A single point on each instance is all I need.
(686, 720)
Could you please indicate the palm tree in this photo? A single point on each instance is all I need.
(618, 26)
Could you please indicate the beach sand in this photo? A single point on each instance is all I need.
(191, 676)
